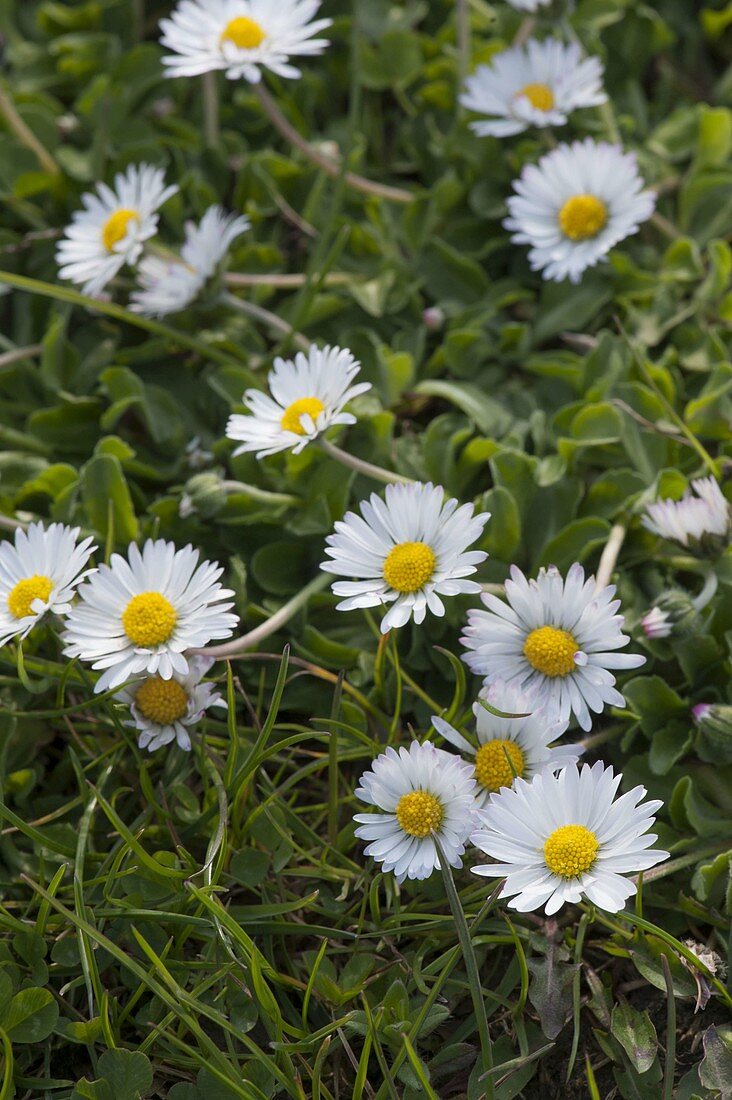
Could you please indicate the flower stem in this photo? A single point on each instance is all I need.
(270, 625)
(711, 582)
(289, 280)
(609, 556)
(331, 167)
(211, 109)
(265, 496)
(378, 473)
(462, 20)
(471, 967)
(109, 309)
(259, 313)
(25, 135)
(17, 355)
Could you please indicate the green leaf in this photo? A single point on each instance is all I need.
(107, 499)
(30, 1017)
(636, 1034)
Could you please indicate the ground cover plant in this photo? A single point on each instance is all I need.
(365, 401)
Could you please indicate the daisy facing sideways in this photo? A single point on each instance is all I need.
(538, 84)
(701, 519)
(241, 37)
(576, 204)
(39, 572)
(169, 285)
(509, 748)
(141, 614)
(112, 227)
(417, 792)
(554, 638)
(308, 396)
(165, 710)
(405, 551)
(564, 837)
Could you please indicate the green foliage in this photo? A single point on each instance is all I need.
(204, 926)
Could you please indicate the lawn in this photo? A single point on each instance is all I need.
(365, 619)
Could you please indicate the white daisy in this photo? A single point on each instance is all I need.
(421, 791)
(407, 551)
(141, 615)
(309, 394)
(169, 285)
(111, 229)
(563, 837)
(538, 84)
(164, 710)
(575, 205)
(39, 572)
(555, 639)
(510, 748)
(702, 521)
(242, 37)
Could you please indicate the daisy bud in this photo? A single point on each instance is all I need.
(715, 729)
(204, 495)
(657, 623)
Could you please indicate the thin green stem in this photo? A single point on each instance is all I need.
(265, 496)
(471, 968)
(273, 322)
(368, 469)
(211, 109)
(17, 355)
(25, 135)
(332, 168)
(671, 411)
(671, 941)
(269, 626)
(670, 1066)
(109, 309)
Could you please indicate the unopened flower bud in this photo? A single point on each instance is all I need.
(715, 731)
(657, 623)
(204, 495)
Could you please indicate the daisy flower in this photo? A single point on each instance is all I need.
(242, 37)
(39, 572)
(169, 285)
(555, 639)
(140, 615)
(538, 84)
(575, 205)
(509, 748)
(420, 792)
(700, 520)
(164, 710)
(111, 229)
(564, 837)
(308, 395)
(407, 551)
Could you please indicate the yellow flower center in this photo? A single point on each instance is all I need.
(498, 763)
(116, 226)
(25, 592)
(162, 701)
(582, 217)
(149, 619)
(419, 813)
(409, 565)
(551, 651)
(244, 32)
(309, 406)
(539, 96)
(570, 850)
